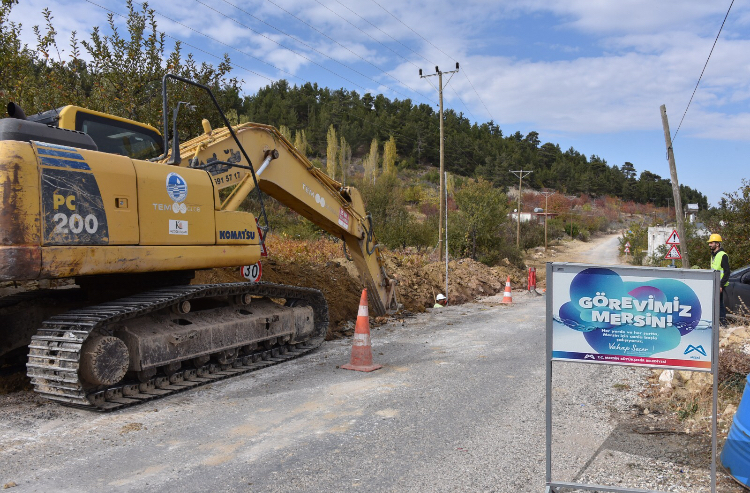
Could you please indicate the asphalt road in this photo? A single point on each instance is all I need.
(458, 406)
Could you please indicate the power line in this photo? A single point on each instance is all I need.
(202, 50)
(272, 40)
(415, 32)
(704, 69)
(235, 65)
(441, 51)
(462, 102)
(402, 44)
(318, 51)
(376, 27)
(363, 32)
(480, 97)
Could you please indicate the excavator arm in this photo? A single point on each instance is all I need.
(289, 177)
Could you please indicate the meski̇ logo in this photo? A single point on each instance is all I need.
(692, 348)
(176, 187)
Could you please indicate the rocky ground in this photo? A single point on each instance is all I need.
(656, 402)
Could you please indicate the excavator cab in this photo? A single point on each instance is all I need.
(111, 134)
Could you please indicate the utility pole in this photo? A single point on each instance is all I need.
(546, 214)
(447, 253)
(668, 199)
(520, 174)
(443, 204)
(675, 189)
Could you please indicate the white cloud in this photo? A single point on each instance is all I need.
(603, 66)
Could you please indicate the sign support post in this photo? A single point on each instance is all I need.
(638, 290)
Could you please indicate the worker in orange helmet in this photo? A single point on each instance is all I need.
(720, 262)
(440, 301)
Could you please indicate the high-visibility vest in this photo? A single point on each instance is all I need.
(716, 264)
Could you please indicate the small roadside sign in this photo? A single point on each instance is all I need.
(263, 251)
(673, 253)
(627, 249)
(674, 238)
(627, 245)
(252, 272)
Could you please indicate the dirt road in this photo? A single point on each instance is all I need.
(458, 406)
(601, 251)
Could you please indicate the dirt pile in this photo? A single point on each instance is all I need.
(419, 282)
(467, 280)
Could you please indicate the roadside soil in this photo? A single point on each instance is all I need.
(647, 442)
(419, 282)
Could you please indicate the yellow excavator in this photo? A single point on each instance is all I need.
(105, 202)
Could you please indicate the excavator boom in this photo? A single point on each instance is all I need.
(289, 177)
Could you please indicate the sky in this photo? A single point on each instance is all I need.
(587, 74)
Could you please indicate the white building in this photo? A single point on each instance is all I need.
(657, 236)
(691, 212)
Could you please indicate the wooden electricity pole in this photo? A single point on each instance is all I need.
(520, 174)
(675, 189)
(443, 203)
(546, 215)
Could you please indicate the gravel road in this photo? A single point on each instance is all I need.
(458, 406)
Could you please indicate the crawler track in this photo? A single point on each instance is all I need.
(55, 350)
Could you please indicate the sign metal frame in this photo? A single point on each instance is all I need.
(654, 272)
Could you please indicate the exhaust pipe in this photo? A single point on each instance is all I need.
(15, 111)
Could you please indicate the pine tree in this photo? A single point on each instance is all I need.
(332, 151)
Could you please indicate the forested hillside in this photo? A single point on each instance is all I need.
(476, 150)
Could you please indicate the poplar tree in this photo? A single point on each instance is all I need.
(371, 162)
(284, 130)
(300, 141)
(389, 157)
(331, 152)
(345, 158)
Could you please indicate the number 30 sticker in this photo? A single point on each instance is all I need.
(252, 272)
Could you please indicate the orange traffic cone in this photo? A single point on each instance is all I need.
(361, 346)
(507, 297)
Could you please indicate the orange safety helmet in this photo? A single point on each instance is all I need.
(714, 237)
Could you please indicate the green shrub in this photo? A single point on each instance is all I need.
(432, 176)
(572, 229)
(532, 235)
(413, 194)
(555, 230)
(637, 236)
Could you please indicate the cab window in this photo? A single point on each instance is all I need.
(116, 137)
